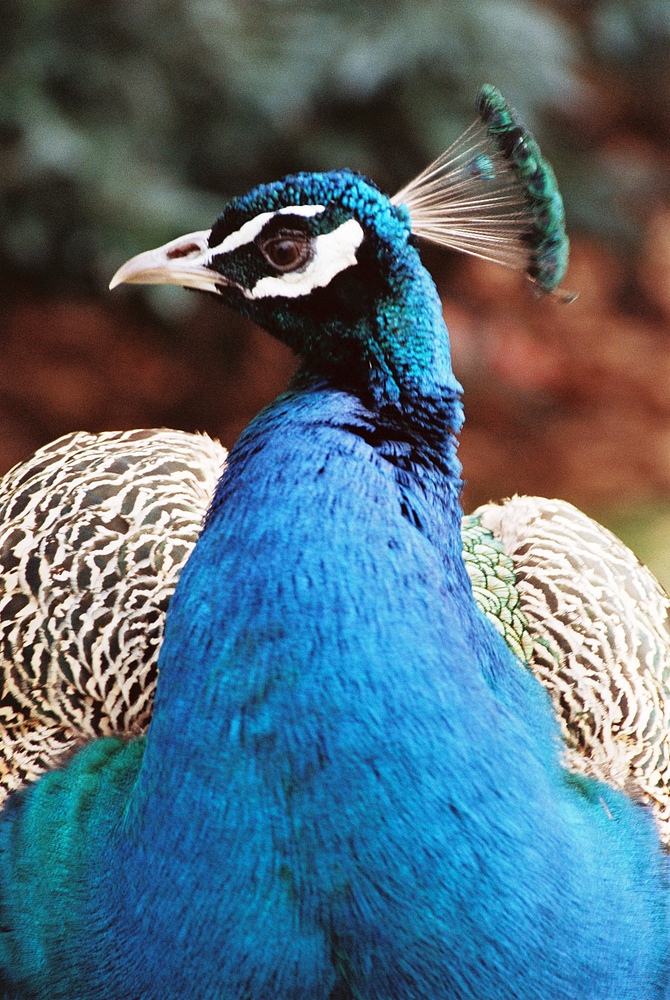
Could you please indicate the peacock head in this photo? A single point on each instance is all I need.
(312, 258)
(327, 263)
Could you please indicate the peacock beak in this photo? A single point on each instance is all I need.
(181, 262)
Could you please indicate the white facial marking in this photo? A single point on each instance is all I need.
(250, 230)
(245, 234)
(333, 252)
(306, 210)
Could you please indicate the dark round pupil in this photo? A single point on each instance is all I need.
(286, 252)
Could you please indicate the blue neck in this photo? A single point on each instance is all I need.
(348, 779)
(407, 347)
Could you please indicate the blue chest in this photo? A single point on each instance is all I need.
(350, 788)
(379, 799)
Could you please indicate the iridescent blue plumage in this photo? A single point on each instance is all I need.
(350, 788)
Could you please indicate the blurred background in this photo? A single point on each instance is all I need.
(125, 123)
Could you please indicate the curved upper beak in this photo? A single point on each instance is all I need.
(181, 262)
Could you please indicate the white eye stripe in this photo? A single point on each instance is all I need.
(250, 230)
(306, 210)
(333, 252)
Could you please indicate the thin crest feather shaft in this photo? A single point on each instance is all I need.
(491, 194)
(468, 201)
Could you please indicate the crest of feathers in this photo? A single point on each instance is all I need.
(493, 195)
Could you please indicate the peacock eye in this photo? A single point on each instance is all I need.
(287, 251)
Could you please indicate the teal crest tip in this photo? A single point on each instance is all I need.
(492, 194)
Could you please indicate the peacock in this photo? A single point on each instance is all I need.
(350, 786)
(86, 583)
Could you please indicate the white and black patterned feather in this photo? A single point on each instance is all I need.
(598, 620)
(94, 530)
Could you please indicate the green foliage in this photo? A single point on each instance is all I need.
(624, 31)
(613, 173)
(645, 528)
(124, 123)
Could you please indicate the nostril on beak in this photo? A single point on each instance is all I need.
(183, 251)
